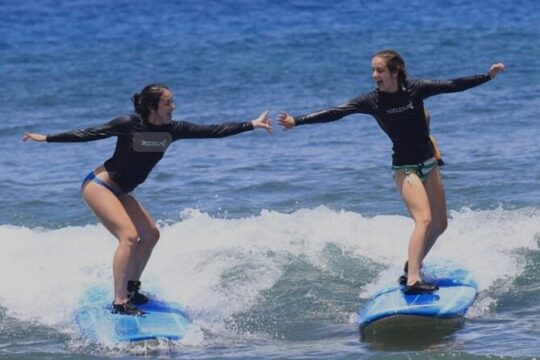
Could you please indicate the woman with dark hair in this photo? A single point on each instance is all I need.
(398, 106)
(143, 138)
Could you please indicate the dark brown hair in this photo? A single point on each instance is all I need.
(395, 63)
(148, 99)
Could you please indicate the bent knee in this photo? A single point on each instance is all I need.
(423, 221)
(128, 237)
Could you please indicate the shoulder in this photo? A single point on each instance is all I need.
(363, 97)
(122, 120)
(413, 83)
(179, 126)
(417, 86)
(367, 95)
(369, 98)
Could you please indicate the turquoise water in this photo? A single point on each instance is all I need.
(271, 243)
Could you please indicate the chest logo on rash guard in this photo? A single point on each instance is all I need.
(400, 109)
(151, 141)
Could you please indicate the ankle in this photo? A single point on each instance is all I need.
(412, 278)
(133, 285)
(120, 300)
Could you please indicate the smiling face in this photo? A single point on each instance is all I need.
(386, 80)
(165, 107)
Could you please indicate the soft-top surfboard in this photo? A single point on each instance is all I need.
(391, 307)
(163, 320)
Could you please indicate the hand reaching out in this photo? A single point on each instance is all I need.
(495, 69)
(34, 137)
(263, 122)
(286, 120)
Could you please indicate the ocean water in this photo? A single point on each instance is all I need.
(272, 243)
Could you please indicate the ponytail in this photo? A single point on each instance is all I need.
(136, 102)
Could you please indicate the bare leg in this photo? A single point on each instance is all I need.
(148, 235)
(437, 200)
(110, 210)
(416, 199)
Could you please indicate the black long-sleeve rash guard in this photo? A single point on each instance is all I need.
(141, 145)
(400, 114)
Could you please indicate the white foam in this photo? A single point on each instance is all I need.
(219, 267)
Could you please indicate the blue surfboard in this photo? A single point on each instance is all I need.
(391, 307)
(163, 320)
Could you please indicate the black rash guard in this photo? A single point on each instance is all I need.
(141, 145)
(400, 114)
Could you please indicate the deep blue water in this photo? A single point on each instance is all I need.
(272, 243)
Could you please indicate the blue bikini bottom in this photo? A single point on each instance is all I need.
(92, 177)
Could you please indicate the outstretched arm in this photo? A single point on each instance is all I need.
(188, 130)
(427, 88)
(360, 104)
(112, 128)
